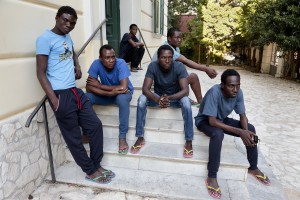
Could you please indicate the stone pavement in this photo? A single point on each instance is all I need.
(272, 105)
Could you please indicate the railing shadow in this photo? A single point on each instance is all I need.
(42, 104)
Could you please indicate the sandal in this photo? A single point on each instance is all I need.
(99, 179)
(123, 147)
(187, 153)
(262, 179)
(123, 150)
(213, 192)
(136, 149)
(108, 173)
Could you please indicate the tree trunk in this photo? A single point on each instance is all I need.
(293, 65)
(199, 53)
(253, 60)
(298, 64)
(260, 54)
(249, 55)
(208, 56)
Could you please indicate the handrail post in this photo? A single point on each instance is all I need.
(48, 143)
(144, 42)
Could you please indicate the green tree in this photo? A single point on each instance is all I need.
(215, 25)
(179, 7)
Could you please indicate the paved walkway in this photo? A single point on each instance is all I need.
(273, 106)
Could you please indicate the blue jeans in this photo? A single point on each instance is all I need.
(123, 102)
(185, 105)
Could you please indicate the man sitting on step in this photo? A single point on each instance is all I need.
(174, 38)
(131, 49)
(114, 88)
(170, 89)
(212, 119)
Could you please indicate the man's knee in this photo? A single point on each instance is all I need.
(185, 102)
(122, 99)
(218, 135)
(142, 101)
(91, 97)
(251, 128)
(192, 78)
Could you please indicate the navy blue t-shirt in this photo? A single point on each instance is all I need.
(166, 82)
(125, 46)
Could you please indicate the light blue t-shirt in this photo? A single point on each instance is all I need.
(119, 72)
(175, 56)
(215, 104)
(59, 49)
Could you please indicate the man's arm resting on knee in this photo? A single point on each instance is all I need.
(244, 134)
(184, 90)
(146, 89)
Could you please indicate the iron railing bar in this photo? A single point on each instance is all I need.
(48, 143)
(91, 37)
(37, 108)
(144, 42)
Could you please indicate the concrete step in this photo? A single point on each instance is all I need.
(162, 185)
(162, 157)
(152, 112)
(159, 130)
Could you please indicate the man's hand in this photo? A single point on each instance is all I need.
(78, 72)
(55, 103)
(211, 72)
(164, 101)
(247, 137)
(120, 90)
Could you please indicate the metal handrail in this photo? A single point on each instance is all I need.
(42, 104)
(144, 42)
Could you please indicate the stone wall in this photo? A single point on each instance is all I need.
(24, 160)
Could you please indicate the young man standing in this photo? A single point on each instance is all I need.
(131, 49)
(174, 38)
(170, 89)
(114, 88)
(56, 61)
(213, 120)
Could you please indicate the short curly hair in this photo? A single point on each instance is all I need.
(66, 9)
(228, 72)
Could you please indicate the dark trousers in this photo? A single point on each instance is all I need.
(215, 145)
(76, 111)
(135, 56)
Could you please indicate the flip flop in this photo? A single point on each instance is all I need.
(262, 179)
(136, 149)
(99, 179)
(187, 153)
(108, 173)
(123, 150)
(213, 192)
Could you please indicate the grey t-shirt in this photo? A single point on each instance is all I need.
(214, 104)
(166, 82)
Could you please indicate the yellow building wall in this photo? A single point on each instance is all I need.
(22, 21)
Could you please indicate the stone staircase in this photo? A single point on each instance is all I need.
(159, 170)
